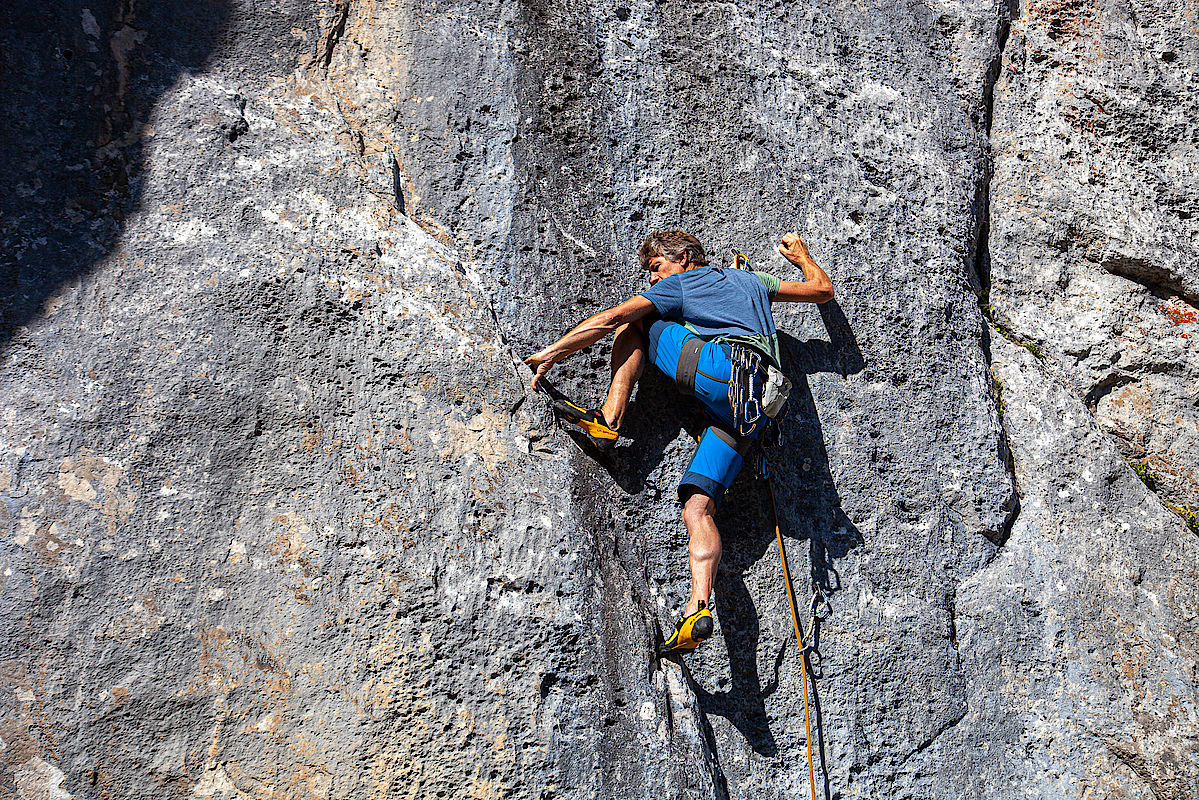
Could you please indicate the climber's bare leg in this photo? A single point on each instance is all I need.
(628, 362)
(703, 548)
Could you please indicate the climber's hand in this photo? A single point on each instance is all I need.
(540, 363)
(794, 250)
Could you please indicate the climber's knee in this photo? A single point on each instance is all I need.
(698, 508)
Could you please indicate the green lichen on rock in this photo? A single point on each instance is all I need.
(1188, 516)
(1146, 473)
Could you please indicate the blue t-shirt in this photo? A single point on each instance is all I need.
(716, 303)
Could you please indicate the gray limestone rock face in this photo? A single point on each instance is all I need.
(278, 519)
(1080, 638)
(1092, 270)
(282, 518)
(1094, 248)
(565, 134)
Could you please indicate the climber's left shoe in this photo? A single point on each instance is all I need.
(689, 632)
(590, 422)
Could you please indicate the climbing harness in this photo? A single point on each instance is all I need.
(747, 382)
(688, 365)
(754, 388)
(818, 608)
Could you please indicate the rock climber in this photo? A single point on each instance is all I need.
(710, 329)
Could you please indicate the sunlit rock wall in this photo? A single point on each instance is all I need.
(1092, 269)
(281, 519)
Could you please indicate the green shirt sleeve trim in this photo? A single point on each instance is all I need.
(771, 283)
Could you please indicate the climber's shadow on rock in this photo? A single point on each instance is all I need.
(808, 502)
(809, 508)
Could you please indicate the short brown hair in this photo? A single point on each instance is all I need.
(671, 245)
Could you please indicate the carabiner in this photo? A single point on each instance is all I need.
(820, 607)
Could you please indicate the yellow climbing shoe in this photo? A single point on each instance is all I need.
(587, 421)
(590, 422)
(689, 632)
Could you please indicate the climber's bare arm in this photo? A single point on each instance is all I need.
(587, 333)
(815, 287)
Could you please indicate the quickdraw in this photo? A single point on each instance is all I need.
(745, 397)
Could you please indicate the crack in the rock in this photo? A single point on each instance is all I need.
(980, 264)
(341, 13)
(951, 606)
(1013, 505)
(1009, 12)
(937, 734)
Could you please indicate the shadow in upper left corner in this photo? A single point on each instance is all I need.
(78, 82)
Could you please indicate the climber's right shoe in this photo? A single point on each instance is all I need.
(689, 632)
(590, 422)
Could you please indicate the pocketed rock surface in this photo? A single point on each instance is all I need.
(281, 517)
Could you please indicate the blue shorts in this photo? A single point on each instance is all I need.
(716, 461)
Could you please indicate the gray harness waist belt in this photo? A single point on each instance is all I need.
(684, 373)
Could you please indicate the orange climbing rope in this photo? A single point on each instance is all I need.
(818, 598)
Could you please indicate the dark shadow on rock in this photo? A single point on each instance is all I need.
(809, 507)
(654, 418)
(78, 83)
(744, 704)
(840, 354)
(656, 414)
(818, 732)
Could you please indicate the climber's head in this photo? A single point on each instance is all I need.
(664, 253)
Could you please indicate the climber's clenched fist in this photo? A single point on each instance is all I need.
(794, 250)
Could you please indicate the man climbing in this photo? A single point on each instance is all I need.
(709, 329)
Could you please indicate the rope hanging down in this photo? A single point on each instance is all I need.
(818, 607)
